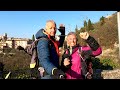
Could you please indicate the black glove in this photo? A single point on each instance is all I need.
(62, 29)
(59, 74)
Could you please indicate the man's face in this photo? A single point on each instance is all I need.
(51, 28)
(71, 40)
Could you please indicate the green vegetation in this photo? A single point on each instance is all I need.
(104, 64)
(15, 60)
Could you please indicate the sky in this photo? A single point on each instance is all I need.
(23, 24)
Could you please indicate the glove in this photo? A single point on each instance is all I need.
(58, 73)
(62, 29)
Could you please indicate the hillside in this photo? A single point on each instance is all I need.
(106, 34)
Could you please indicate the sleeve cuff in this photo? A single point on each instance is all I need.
(53, 70)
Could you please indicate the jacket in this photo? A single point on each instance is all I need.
(47, 54)
(74, 70)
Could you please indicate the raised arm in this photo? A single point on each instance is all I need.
(62, 36)
(93, 46)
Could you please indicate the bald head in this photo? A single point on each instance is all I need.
(50, 27)
(50, 21)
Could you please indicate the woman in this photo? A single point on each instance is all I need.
(75, 56)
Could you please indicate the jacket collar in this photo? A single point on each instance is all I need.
(74, 48)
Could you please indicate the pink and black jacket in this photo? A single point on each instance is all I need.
(79, 53)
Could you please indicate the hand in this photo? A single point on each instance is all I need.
(58, 73)
(41, 71)
(61, 29)
(66, 62)
(84, 35)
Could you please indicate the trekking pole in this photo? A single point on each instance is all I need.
(7, 75)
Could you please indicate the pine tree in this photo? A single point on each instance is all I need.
(90, 26)
(76, 29)
(77, 33)
(85, 25)
(33, 38)
(5, 36)
(102, 20)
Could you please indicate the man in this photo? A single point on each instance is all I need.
(48, 50)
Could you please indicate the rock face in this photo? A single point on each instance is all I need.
(106, 74)
(111, 74)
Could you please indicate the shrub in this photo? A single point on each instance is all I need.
(105, 64)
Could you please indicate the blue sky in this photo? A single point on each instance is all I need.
(23, 24)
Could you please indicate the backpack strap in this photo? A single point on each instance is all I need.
(87, 70)
(80, 52)
(83, 63)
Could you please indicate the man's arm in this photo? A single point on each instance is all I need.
(44, 56)
(44, 59)
(62, 36)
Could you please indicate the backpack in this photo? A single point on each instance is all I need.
(86, 62)
(32, 50)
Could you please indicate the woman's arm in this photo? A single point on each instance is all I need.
(93, 47)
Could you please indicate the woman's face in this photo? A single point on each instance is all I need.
(71, 40)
